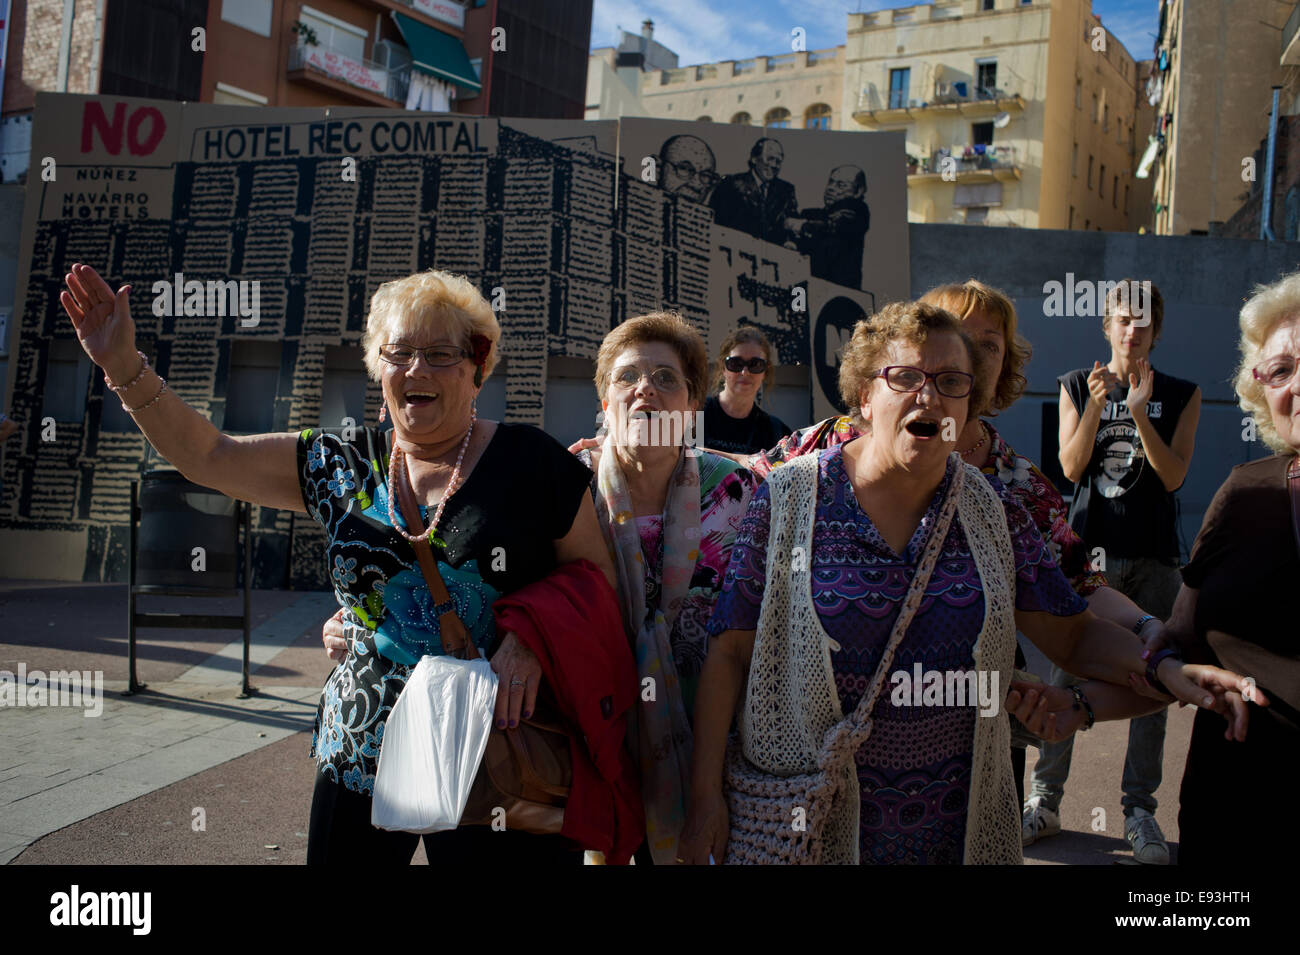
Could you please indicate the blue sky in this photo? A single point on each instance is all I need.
(705, 31)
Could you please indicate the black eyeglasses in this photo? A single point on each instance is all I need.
(735, 363)
(906, 379)
(439, 356)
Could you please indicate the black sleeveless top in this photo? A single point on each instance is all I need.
(1120, 503)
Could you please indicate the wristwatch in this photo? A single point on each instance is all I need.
(1142, 621)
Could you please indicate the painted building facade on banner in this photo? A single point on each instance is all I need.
(314, 209)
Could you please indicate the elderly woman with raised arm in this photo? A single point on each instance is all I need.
(430, 340)
(818, 616)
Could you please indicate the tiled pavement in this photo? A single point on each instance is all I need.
(59, 766)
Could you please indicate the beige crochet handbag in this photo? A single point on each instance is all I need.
(766, 827)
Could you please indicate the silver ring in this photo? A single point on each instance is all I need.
(518, 682)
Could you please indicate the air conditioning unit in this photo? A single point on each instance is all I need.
(391, 55)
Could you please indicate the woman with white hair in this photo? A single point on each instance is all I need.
(430, 341)
(1236, 607)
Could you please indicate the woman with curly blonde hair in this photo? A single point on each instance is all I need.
(431, 340)
(1236, 604)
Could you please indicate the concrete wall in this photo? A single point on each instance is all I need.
(1204, 282)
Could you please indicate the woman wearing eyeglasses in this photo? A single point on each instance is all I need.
(1236, 607)
(670, 513)
(815, 617)
(733, 421)
(430, 341)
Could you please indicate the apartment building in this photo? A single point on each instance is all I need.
(1217, 61)
(1016, 113)
(799, 89)
(485, 57)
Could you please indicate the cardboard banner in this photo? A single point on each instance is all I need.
(236, 225)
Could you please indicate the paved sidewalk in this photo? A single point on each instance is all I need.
(59, 765)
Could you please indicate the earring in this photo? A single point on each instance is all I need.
(383, 413)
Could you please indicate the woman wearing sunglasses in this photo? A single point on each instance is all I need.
(733, 421)
(880, 557)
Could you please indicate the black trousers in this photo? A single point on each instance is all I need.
(340, 833)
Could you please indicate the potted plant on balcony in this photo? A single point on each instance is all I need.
(913, 165)
(305, 33)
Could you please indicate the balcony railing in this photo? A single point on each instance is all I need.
(363, 74)
(967, 159)
(786, 62)
(951, 94)
(744, 66)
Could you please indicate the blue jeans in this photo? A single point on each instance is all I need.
(1153, 586)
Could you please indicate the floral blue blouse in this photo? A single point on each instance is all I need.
(497, 534)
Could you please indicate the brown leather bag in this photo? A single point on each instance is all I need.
(524, 780)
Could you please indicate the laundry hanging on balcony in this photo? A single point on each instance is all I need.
(1148, 158)
(438, 54)
(429, 94)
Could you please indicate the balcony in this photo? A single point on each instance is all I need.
(365, 80)
(1291, 40)
(880, 107)
(994, 164)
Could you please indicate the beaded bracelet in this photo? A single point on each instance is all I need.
(1082, 700)
(151, 401)
(120, 388)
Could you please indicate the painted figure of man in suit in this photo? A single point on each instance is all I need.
(833, 236)
(757, 201)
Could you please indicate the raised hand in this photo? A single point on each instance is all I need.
(1139, 389)
(103, 322)
(1100, 381)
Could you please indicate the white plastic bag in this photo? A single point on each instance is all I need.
(434, 740)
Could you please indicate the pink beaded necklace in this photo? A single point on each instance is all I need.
(451, 485)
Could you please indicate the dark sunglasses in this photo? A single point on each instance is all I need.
(737, 364)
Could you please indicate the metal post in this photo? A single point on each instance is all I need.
(245, 690)
(1266, 209)
(133, 685)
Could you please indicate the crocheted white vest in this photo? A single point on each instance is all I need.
(792, 700)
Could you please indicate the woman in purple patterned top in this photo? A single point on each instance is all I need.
(989, 315)
(877, 501)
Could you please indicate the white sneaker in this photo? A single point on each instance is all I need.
(1144, 835)
(1037, 821)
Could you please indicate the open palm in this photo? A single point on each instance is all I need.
(102, 319)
